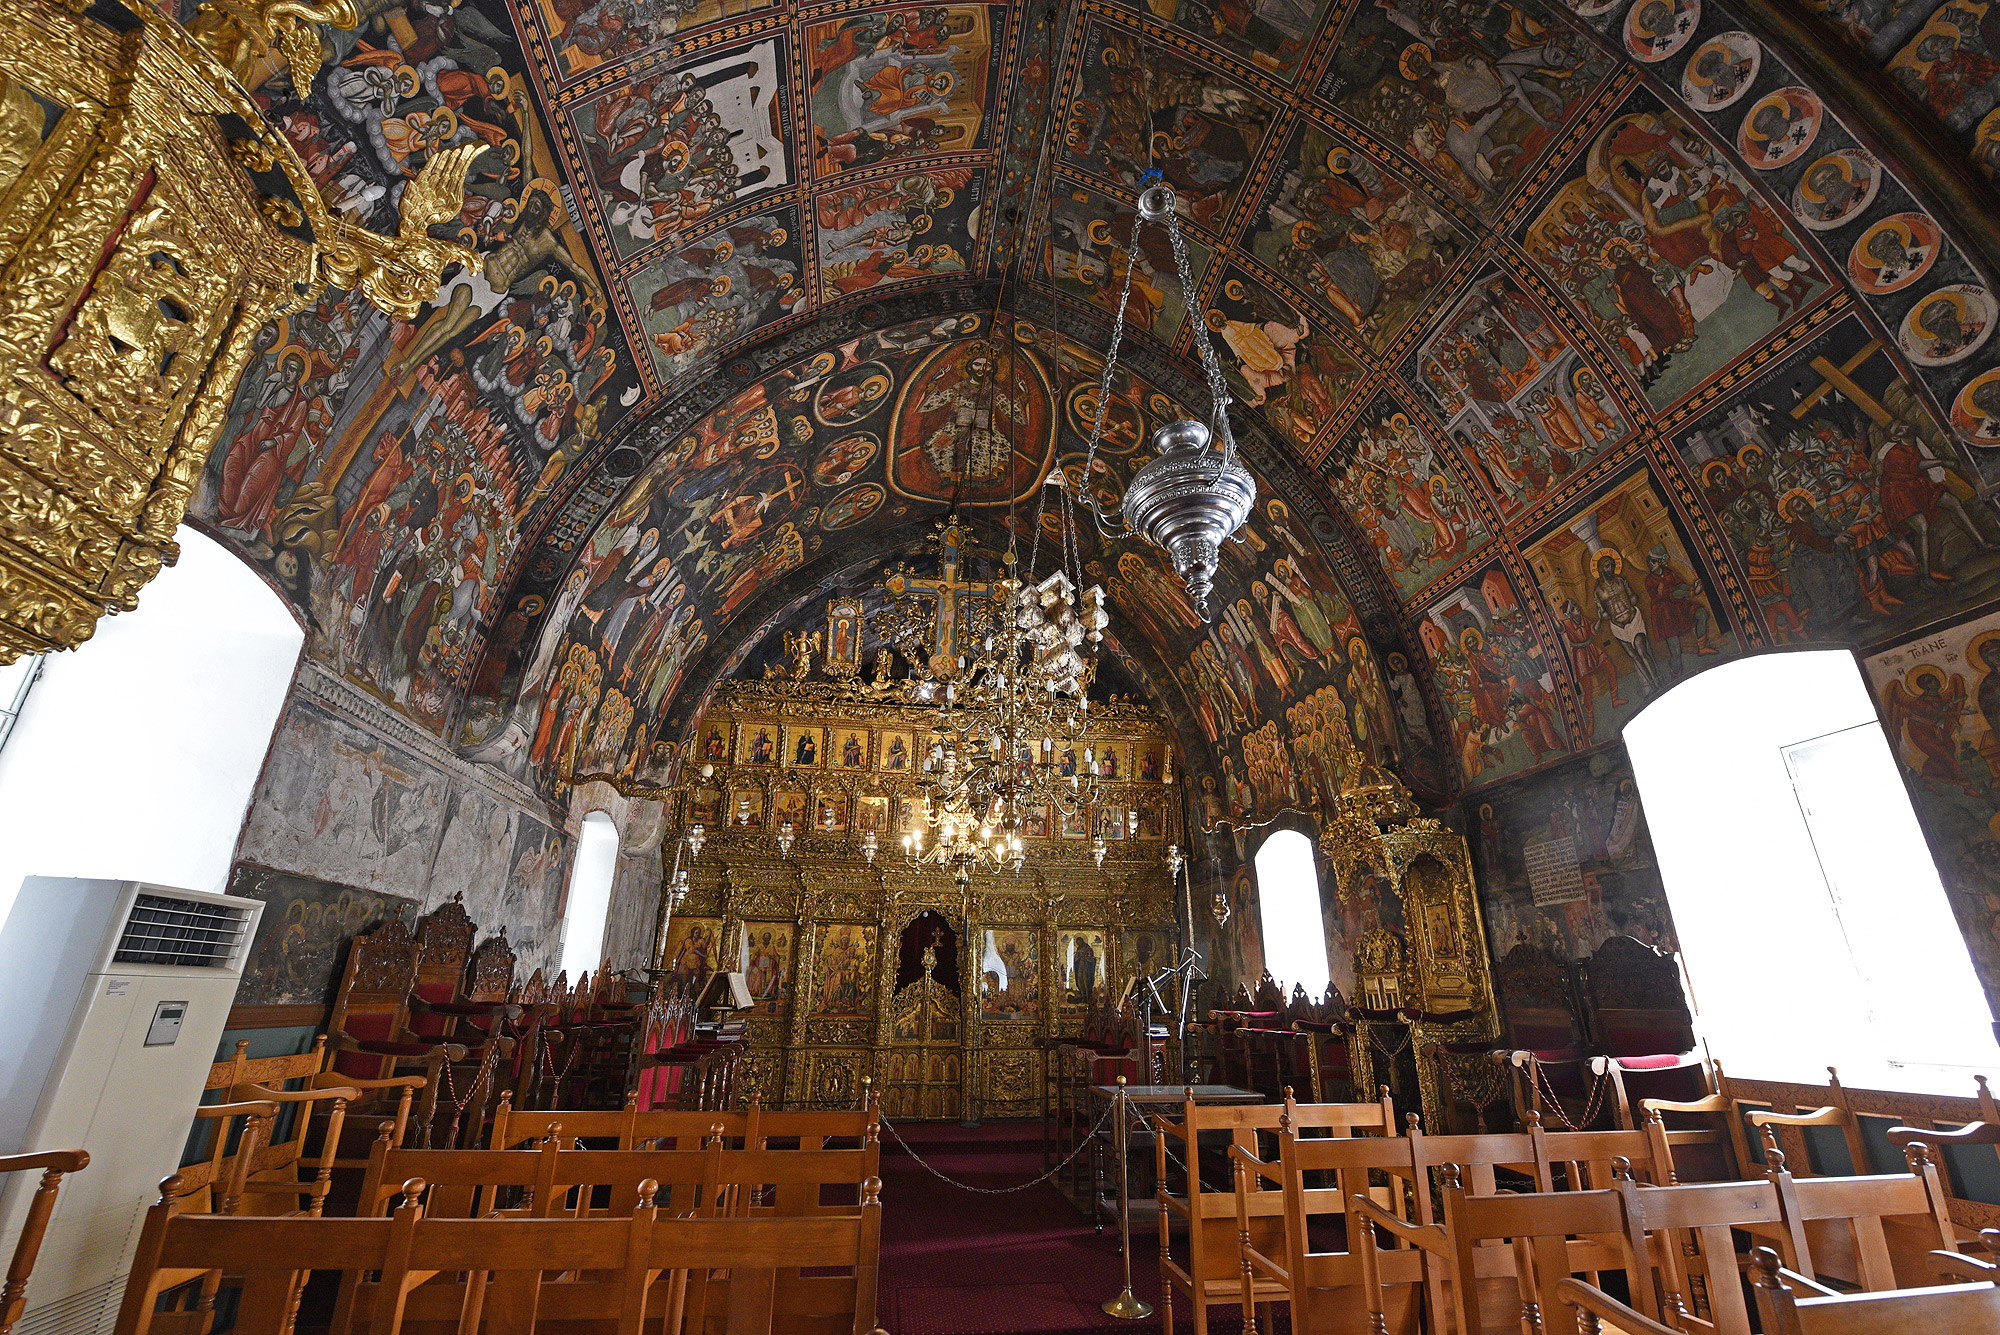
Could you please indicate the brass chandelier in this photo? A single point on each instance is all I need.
(1010, 678)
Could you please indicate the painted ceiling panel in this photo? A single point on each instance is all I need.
(1583, 346)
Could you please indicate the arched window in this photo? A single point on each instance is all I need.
(589, 894)
(1288, 902)
(135, 755)
(1811, 919)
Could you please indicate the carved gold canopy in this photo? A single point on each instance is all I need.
(152, 222)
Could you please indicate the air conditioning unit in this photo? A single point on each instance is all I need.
(113, 998)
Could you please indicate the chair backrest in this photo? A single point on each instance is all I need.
(1688, 1230)
(1341, 1167)
(490, 975)
(1915, 1202)
(1538, 1000)
(1539, 1238)
(1948, 1309)
(540, 1182)
(417, 1274)
(1583, 1159)
(373, 1000)
(54, 1164)
(1633, 1000)
(1478, 1157)
(629, 1127)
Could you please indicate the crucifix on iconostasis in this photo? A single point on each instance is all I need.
(951, 603)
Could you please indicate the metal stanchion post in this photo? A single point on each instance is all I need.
(1126, 1304)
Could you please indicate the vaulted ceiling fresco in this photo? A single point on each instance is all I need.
(1574, 348)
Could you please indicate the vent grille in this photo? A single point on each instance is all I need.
(187, 932)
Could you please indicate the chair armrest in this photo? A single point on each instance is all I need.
(1714, 1103)
(349, 1092)
(63, 1161)
(351, 1082)
(252, 1108)
(1428, 1236)
(1270, 1172)
(1163, 1126)
(1972, 1133)
(1817, 1117)
(1603, 1307)
(1957, 1265)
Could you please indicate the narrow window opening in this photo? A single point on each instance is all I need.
(1288, 902)
(589, 895)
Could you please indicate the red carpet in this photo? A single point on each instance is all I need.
(960, 1263)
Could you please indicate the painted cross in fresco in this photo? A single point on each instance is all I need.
(948, 593)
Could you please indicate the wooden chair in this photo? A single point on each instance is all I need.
(1691, 1231)
(1818, 1156)
(1538, 1009)
(1853, 1229)
(1493, 1256)
(432, 1276)
(55, 1165)
(1951, 1309)
(627, 1129)
(797, 1184)
(1633, 1001)
(1217, 1223)
(1712, 1128)
(368, 1037)
(1322, 1287)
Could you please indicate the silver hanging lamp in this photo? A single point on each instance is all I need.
(1194, 494)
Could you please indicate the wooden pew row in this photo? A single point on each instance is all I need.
(1421, 1192)
(431, 1276)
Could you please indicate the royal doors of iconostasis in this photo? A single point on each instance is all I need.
(923, 1063)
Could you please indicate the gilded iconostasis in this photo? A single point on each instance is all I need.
(1575, 349)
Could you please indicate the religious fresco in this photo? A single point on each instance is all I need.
(900, 83)
(1670, 254)
(380, 471)
(339, 804)
(719, 289)
(663, 151)
(1277, 358)
(1403, 496)
(1846, 503)
(1493, 674)
(1475, 94)
(1359, 242)
(1939, 697)
(300, 948)
(1088, 252)
(1142, 107)
(1272, 37)
(1582, 817)
(583, 35)
(1632, 609)
(1516, 394)
(895, 229)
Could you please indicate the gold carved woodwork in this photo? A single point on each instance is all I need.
(1435, 974)
(808, 1057)
(152, 223)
